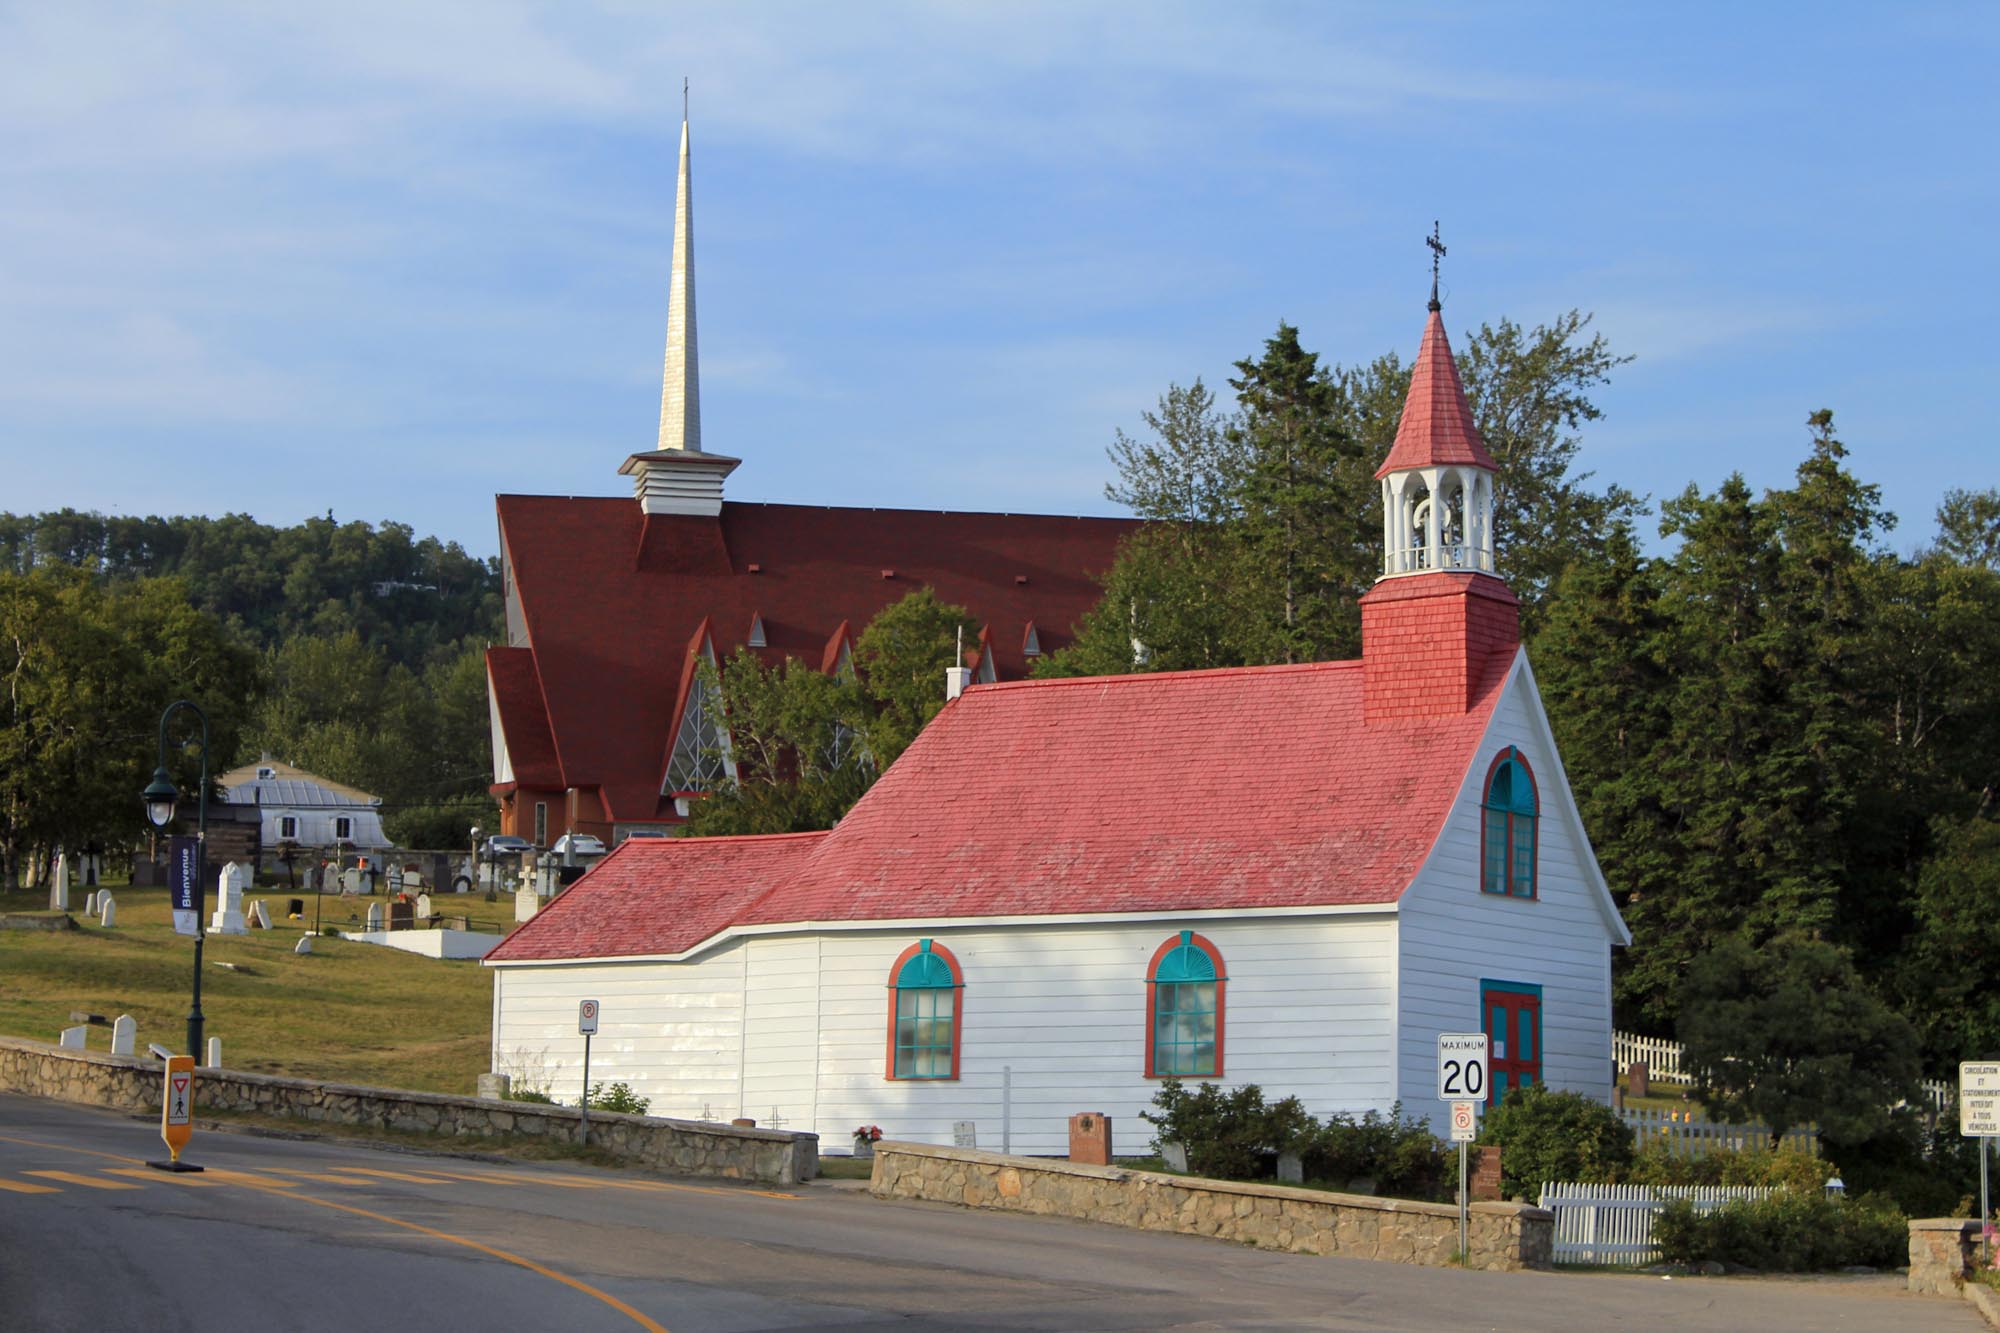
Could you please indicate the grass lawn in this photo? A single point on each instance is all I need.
(345, 1013)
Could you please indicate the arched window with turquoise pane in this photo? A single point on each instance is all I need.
(1184, 991)
(1509, 814)
(925, 1011)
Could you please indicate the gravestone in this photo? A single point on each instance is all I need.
(350, 881)
(402, 914)
(107, 912)
(423, 907)
(215, 1052)
(310, 880)
(228, 918)
(1174, 1155)
(90, 905)
(374, 916)
(1291, 1170)
(305, 944)
(92, 868)
(964, 1134)
(1638, 1079)
(413, 879)
(124, 1034)
(496, 1087)
(295, 908)
(59, 890)
(259, 917)
(72, 1038)
(525, 903)
(395, 880)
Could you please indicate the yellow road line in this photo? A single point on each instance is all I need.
(74, 1178)
(23, 1187)
(390, 1175)
(643, 1321)
(150, 1173)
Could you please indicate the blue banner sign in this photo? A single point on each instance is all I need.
(184, 883)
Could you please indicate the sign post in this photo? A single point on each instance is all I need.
(586, 1024)
(1979, 1117)
(1462, 1083)
(177, 1112)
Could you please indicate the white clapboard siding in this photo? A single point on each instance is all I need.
(1613, 1224)
(1064, 1008)
(674, 1035)
(1453, 936)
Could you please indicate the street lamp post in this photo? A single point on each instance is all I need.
(161, 797)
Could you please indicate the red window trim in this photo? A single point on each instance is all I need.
(957, 1011)
(1512, 752)
(1207, 946)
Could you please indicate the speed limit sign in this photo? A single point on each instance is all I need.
(1461, 1066)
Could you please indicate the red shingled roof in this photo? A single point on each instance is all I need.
(1437, 428)
(517, 692)
(611, 599)
(651, 893)
(1253, 787)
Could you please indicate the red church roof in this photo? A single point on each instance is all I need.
(1255, 787)
(1437, 429)
(611, 599)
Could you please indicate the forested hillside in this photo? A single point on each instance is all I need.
(350, 649)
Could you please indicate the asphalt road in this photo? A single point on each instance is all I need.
(282, 1234)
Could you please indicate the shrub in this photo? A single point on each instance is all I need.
(1546, 1136)
(1401, 1156)
(531, 1095)
(618, 1097)
(1789, 1232)
(1228, 1135)
(1656, 1164)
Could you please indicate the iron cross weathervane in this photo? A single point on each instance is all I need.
(1437, 253)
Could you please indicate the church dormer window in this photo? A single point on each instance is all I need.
(1509, 815)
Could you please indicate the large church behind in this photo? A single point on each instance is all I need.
(1295, 876)
(600, 721)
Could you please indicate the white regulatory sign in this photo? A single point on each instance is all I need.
(1979, 1099)
(1461, 1066)
(586, 1018)
(1464, 1122)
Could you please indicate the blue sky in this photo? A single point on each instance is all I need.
(390, 258)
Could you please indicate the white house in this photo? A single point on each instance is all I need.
(305, 808)
(1067, 890)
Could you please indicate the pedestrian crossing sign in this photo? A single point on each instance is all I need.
(177, 1104)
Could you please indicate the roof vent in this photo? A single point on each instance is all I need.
(1020, 578)
(756, 568)
(888, 573)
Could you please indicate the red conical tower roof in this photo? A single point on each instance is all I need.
(1437, 429)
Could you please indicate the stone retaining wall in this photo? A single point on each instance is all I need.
(1278, 1217)
(680, 1147)
(1942, 1251)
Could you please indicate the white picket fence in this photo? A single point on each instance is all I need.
(1662, 1059)
(1686, 1137)
(1613, 1224)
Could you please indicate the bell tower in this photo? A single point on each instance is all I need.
(1439, 614)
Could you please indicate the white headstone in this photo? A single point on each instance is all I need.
(258, 916)
(350, 880)
(124, 1034)
(374, 916)
(72, 1038)
(309, 882)
(525, 903)
(59, 893)
(228, 918)
(423, 907)
(107, 911)
(305, 944)
(215, 1052)
(90, 905)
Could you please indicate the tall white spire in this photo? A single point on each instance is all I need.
(678, 477)
(680, 389)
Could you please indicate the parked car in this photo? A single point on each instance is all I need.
(505, 844)
(583, 844)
